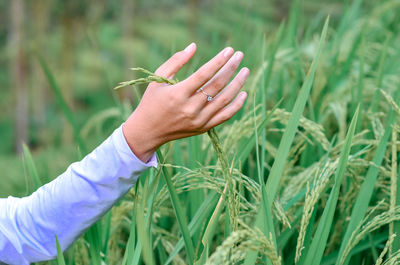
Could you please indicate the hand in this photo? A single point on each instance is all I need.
(169, 112)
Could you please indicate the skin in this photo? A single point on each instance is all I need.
(170, 112)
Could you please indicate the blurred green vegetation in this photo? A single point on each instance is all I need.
(88, 48)
(89, 45)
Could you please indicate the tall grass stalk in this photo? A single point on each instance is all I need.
(178, 211)
(316, 250)
(286, 141)
(393, 185)
(365, 194)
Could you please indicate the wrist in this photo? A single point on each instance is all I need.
(140, 139)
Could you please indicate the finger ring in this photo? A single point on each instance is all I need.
(209, 97)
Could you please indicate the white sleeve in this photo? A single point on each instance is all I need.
(68, 205)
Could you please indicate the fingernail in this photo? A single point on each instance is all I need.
(238, 55)
(245, 72)
(190, 47)
(243, 95)
(227, 51)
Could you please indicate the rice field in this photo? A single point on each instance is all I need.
(306, 173)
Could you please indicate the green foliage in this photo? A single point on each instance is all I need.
(60, 256)
(305, 173)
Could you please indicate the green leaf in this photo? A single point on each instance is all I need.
(314, 253)
(196, 223)
(364, 196)
(60, 256)
(290, 131)
(287, 140)
(62, 103)
(211, 226)
(181, 218)
(31, 167)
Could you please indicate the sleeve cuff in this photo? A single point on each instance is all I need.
(128, 157)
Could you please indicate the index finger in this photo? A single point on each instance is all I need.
(207, 71)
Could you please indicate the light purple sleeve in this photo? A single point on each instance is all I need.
(68, 205)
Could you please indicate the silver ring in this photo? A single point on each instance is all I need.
(209, 97)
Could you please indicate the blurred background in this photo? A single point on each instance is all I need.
(89, 46)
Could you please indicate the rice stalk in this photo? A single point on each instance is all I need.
(376, 124)
(226, 173)
(277, 169)
(211, 178)
(393, 183)
(315, 251)
(385, 249)
(366, 190)
(280, 214)
(391, 102)
(235, 247)
(169, 247)
(151, 77)
(313, 193)
(394, 259)
(366, 227)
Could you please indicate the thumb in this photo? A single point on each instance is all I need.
(176, 62)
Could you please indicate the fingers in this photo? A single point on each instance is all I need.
(207, 71)
(227, 95)
(227, 112)
(221, 79)
(176, 62)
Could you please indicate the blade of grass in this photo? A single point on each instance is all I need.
(365, 194)
(291, 32)
(60, 256)
(288, 137)
(211, 226)
(31, 167)
(382, 60)
(372, 247)
(314, 253)
(287, 140)
(178, 211)
(266, 80)
(195, 197)
(105, 232)
(196, 223)
(378, 240)
(143, 228)
(304, 241)
(62, 103)
(268, 225)
(396, 225)
(393, 183)
(367, 187)
(93, 237)
(349, 18)
(290, 131)
(130, 247)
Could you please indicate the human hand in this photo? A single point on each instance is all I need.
(169, 112)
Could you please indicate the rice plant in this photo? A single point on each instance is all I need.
(306, 173)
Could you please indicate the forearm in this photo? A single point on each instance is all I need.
(70, 204)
